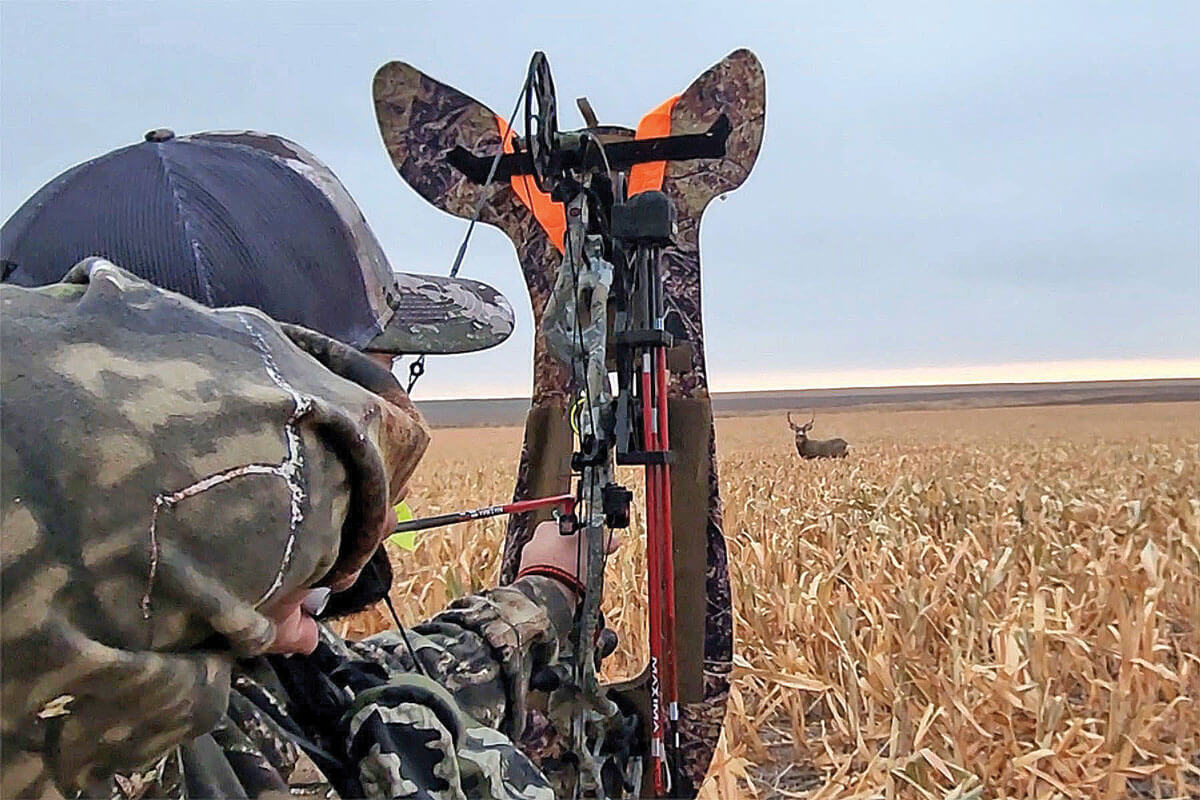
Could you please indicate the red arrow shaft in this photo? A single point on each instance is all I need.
(670, 657)
(654, 581)
(567, 501)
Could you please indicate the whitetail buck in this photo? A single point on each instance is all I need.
(815, 448)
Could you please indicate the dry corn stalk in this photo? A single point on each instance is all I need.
(984, 603)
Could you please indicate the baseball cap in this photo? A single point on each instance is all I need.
(246, 218)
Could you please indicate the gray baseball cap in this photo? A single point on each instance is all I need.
(246, 218)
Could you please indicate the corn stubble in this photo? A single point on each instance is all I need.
(979, 603)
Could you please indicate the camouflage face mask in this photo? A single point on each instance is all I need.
(168, 471)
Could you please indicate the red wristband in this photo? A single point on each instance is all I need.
(560, 575)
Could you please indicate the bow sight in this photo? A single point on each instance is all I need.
(606, 314)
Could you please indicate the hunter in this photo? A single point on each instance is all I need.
(199, 468)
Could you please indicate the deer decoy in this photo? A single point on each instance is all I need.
(815, 448)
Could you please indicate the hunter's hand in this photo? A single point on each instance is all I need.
(549, 548)
(295, 627)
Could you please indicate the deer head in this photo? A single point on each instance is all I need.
(801, 430)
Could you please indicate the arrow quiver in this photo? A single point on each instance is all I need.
(614, 286)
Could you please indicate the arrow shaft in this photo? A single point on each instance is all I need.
(441, 520)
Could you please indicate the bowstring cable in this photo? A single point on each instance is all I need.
(387, 600)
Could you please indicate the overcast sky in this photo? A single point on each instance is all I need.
(945, 191)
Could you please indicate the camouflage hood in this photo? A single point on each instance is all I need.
(168, 471)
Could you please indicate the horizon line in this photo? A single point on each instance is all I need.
(1026, 372)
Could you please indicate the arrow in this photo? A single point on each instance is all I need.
(566, 501)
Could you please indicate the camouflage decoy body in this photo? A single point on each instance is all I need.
(421, 121)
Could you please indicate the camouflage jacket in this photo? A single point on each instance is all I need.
(169, 470)
(358, 719)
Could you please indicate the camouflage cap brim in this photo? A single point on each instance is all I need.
(440, 315)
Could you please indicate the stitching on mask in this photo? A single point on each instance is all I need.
(289, 470)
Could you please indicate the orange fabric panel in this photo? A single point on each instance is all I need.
(549, 214)
(649, 176)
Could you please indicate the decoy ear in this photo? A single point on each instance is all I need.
(736, 87)
(421, 120)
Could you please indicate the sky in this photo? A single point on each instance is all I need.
(946, 192)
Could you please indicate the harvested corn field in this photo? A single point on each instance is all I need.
(975, 603)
